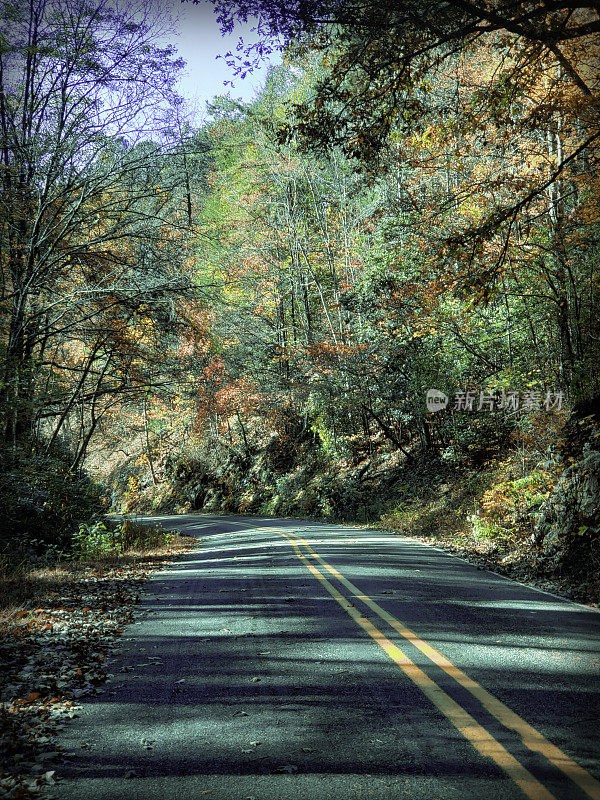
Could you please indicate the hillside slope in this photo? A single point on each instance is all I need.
(537, 519)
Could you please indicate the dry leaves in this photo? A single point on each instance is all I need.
(50, 657)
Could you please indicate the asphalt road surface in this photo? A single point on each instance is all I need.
(288, 660)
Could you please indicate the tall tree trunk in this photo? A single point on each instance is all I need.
(148, 447)
(560, 271)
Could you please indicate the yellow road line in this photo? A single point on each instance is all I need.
(532, 739)
(478, 736)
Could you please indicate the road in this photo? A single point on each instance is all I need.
(289, 660)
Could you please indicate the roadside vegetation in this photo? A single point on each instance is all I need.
(61, 615)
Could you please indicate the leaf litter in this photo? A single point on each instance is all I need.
(53, 655)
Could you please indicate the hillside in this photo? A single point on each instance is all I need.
(532, 514)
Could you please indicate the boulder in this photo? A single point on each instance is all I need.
(573, 507)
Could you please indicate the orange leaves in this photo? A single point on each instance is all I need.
(220, 394)
(239, 396)
(195, 336)
(31, 697)
(215, 371)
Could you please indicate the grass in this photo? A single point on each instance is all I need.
(26, 583)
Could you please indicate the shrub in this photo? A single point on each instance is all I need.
(94, 539)
(43, 501)
(101, 539)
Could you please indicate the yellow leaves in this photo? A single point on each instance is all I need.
(432, 136)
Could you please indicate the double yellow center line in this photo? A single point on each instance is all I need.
(477, 735)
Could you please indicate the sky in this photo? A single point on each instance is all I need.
(198, 41)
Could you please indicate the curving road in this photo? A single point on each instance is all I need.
(289, 660)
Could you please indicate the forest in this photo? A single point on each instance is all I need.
(371, 294)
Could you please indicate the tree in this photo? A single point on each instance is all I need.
(490, 114)
(436, 29)
(85, 200)
(382, 59)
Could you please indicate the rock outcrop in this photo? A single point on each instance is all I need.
(573, 508)
(567, 532)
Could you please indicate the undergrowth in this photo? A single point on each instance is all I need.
(101, 545)
(104, 537)
(495, 503)
(488, 505)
